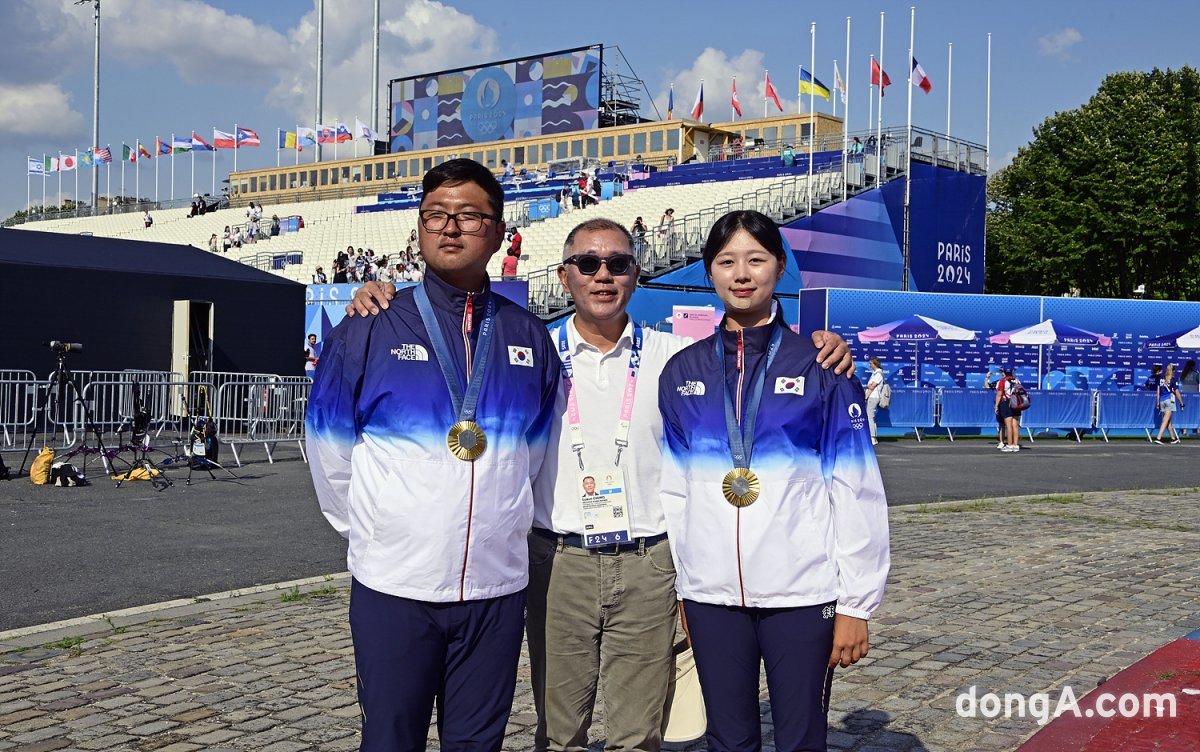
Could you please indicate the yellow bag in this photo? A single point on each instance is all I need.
(39, 473)
(138, 473)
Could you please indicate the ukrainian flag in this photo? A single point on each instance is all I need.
(812, 85)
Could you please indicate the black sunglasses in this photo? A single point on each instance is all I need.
(618, 265)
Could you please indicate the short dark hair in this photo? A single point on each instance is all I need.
(599, 224)
(760, 227)
(459, 171)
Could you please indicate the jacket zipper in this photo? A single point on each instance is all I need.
(741, 370)
(467, 325)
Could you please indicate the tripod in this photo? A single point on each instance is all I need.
(200, 445)
(60, 381)
(140, 440)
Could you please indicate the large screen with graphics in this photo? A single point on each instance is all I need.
(557, 92)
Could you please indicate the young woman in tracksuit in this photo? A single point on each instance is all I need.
(774, 505)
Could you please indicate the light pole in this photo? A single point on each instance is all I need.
(95, 106)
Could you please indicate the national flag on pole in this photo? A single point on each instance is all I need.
(919, 79)
(86, 159)
(737, 106)
(36, 166)
(305, 137)
(199, 144)
(698, 105)
(51, 164)
(180, 144)
(287, 140)
(838, 83)
(104, 155)
(144, 152)
(326, 134)
(671, 102)
(770, 93)
(364, 131)
(223, 140)
(127, 154)
(878, 74)
(343, 133)
(66, 162)
(163, 147)
(247, 137)
(810, 84)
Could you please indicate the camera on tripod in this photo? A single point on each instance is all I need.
(63, 347)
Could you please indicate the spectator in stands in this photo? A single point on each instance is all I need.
(874, 391)
(564, 201)
(251, 232)
(412, 239)
(227, 239)
(597, 188)
(214, 243)
(856, 146)
(238, 237)
(340, 271)
(1010, 417)
(738, 147)
(319, 278)
(508, 267)
(274, 225)
(1169, 400)
(147, 220)
(638, 231)
(418, 273)
(515, 241)
(508, 170)
(575, 195)
(312, 351)
(195, 209)
(666, 226)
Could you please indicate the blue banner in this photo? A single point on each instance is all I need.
(945, 229)
(910, 408)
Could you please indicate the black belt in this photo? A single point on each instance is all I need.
(576, 541)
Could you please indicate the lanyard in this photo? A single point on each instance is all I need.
(464, 405)
(568, 378)
(741, 437)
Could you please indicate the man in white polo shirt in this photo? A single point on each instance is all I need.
(601, 598)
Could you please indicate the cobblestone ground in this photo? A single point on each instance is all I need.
(1011, 595)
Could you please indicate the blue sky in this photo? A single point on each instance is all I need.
(171, 66)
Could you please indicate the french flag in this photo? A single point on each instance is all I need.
(919, 78)
(698, 107)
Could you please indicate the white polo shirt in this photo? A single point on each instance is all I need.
(600, 387)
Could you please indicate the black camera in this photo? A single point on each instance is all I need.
(63, 347)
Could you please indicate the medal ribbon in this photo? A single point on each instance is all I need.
(568, 378)
(464, 405)
(741, 437)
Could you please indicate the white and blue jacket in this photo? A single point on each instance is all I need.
(818, 532)
(421, 523)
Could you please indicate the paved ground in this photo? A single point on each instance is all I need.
(1010, 595)
(71, 552)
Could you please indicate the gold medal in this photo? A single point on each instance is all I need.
(466, 440)
(740, 486)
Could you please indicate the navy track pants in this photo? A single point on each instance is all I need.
(730, 643)
(411, 655)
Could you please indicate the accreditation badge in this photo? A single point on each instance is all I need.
(605, 506)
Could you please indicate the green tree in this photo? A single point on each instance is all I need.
(1106, 197)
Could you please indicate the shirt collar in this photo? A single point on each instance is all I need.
(577, 342)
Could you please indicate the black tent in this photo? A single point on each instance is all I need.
(132, 304)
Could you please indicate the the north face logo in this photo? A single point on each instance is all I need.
(410, 352)
(691, 389)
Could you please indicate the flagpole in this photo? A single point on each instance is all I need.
(297, 149)
(108, 175)
(871, 98)
(812, 110)
(846, 111)
(912, 26)
(879, 157)
(157, 155)
(235, 147)
(123, 161)
(335, 137)
(214, 165)
(987, 143)
(732, 111)
(356, 140)
(949, 84)
(28, 194)
(77, 179)
(799, 92)
(172, 167)
(766, 78)
(193, 151)
(278, 133)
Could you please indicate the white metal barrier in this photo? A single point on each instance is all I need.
(262, 409)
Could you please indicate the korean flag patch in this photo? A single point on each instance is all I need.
(520, 356)
(789, 385)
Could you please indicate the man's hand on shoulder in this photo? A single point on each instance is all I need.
(834, 352)
(371, 297)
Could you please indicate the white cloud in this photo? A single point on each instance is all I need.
(416, 36)
(39, 112)
(718, 69)
(1058, 43)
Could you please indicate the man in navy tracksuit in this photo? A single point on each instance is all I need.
(425, 426)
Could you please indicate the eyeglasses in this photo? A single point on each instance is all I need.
(618, 265)
(436, 221)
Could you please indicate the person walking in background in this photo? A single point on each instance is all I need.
(1010, 419)
(1167, 391)
(993, 380)
(874, 392)
(508, 267)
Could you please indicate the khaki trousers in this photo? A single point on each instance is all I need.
(602, 621)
